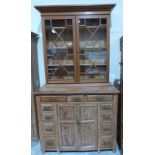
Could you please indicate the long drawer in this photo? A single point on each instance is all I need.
(99, 98)
(53, 98)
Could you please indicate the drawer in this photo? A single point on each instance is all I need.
(48, 117)
(106, 142)
(76, 98)
(99, 98)
(47, 107)
(106, 116)
(106, 107)
(49, 143)
(106, 128)
(53, 98)
(48, 129)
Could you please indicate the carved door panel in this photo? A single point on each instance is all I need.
(67, 126)
(87, 125)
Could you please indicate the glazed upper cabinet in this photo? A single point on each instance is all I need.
(76, 44)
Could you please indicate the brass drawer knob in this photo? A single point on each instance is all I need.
(107, 142)
(49, 129)
(54, 99)
(49, 142)
(47, 108)
(99, 98)
(106, 117)
(48, 118)
(107, 107)
(106, 129)
(76, 99)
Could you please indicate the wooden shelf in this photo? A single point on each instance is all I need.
(54, 65)
(99, 26)
(65, 27)
(91, 64)
(104, 48)
(66, 55)
(84, 73)
(59, 48)
(68, 73)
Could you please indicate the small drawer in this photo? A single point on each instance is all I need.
(105, 116)
(47, 107)
(48, 117)
(106, 128)
(106, 106)
(76, 98)
(106, 142)
(53, 98)
(49, 143)
(99, 98)
(48, 129)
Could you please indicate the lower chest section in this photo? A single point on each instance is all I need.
(77, 122)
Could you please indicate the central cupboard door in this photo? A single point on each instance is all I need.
(67, 121)
(77, 126)
(87, 126)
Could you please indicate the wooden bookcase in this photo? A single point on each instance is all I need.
(77, 107)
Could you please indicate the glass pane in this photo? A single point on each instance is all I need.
(81, 21)
(69, 22)
(103, 21)
(92, 22)
(47, 23)
(59, 45)
(92, 49)
(58, 23)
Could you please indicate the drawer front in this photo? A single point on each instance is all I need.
(99, 98)
(47, 107)
(53, 98)
(106, 128)
(106, 142)
(48, 117)
(106, 107)
(106, 116)
(48, 129)
(76, 98)
(49, 143)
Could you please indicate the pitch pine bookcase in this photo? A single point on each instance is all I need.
(77, 107)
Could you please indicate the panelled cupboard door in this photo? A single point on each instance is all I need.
(77, 126)
(87, 125)
(67, 126)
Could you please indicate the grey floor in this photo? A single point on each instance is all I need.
(35, 150)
